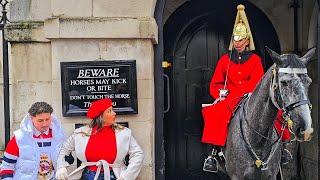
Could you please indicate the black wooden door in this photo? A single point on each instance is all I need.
(194, 60)
(195, 36)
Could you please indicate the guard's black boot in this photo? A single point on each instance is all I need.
(210, 163)
(286, 156)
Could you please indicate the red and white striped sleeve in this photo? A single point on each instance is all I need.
(9, 160)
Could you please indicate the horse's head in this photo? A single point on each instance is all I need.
(290, 85)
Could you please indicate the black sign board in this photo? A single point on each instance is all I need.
(87, 81)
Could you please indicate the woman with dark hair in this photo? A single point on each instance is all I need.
(102, 147)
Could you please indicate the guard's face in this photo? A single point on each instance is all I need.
(41, 121)
(108, 116)
(241, 45)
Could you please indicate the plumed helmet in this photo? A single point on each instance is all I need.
(241, 29)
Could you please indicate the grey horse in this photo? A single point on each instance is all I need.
(253, 149)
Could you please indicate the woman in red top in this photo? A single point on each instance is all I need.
(102, 147)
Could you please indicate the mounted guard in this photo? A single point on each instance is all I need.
(237, 73)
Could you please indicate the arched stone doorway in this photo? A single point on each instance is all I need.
(195, 36)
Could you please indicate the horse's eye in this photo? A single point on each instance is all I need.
(286, 79)
(285, 83)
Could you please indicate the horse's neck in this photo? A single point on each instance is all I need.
(260, 111)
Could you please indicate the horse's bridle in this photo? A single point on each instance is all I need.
(275, 83)
(286, 113)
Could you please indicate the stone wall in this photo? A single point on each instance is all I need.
(43, 33)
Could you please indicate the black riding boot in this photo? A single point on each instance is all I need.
(211, 163)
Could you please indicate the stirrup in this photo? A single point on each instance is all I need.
(211, 163)
(285, 159)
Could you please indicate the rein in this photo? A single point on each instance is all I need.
(258, 161)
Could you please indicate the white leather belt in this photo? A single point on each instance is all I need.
(100, 164)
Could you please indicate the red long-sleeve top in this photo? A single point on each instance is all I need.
(101, 145)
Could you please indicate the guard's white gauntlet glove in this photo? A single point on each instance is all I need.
(223, 93)
(62, 174)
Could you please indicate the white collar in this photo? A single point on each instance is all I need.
(38, 133)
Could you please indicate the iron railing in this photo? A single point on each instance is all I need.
(3, 21)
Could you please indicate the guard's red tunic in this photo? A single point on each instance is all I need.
(242, 78)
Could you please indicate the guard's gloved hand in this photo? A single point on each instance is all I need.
(223, 93)
(62, 174)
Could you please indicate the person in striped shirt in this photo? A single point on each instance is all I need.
(33, 150)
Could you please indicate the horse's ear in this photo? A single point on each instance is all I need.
(275, 56)
(308, 55)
